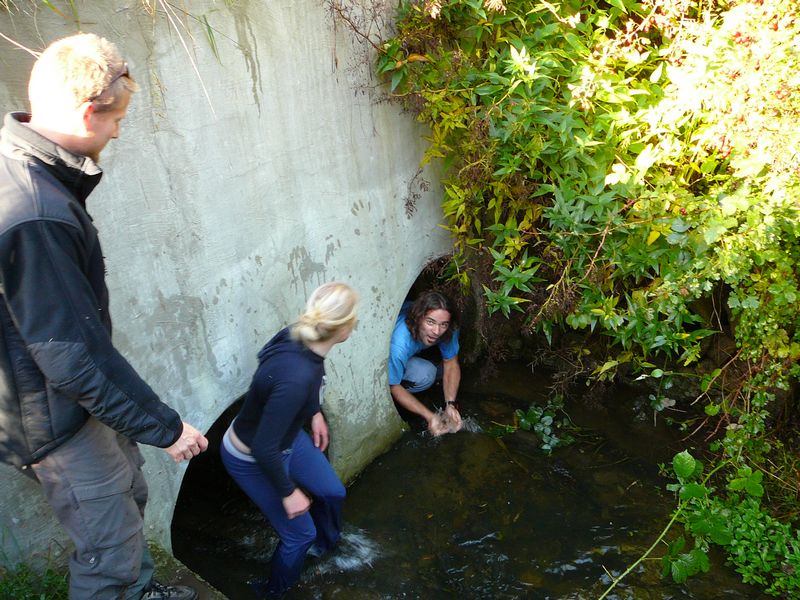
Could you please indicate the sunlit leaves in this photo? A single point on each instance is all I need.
(613, 169)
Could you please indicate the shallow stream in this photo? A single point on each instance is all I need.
(473, 516)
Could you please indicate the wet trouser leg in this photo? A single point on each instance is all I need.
(314, 473)
(307, 466)
(97, 491)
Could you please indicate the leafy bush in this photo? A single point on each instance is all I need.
(550, 423)
(763, 550)
(612, 165)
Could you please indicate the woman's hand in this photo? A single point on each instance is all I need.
(319, 431)
(296, 503)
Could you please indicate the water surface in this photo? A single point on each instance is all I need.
(473, 516)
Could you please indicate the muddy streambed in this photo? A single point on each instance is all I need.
(473, 516)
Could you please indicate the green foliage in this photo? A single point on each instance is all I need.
(613, 155)
(609, 166)
(763, 550)
(16, 6)
(549, 422)
(23, 583)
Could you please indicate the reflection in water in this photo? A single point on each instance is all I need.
(471, 516)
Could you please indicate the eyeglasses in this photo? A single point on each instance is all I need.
(123, 73)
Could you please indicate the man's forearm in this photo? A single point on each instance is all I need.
(451, 379)
(408, 401)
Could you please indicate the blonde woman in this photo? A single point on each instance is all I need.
(267, 452)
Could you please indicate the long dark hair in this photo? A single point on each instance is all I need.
(425, 303)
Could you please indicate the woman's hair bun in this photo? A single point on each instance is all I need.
(330, 307)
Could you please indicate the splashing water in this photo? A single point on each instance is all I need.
(471, 425)
(353, 552)
(472, 516)
(447, 424)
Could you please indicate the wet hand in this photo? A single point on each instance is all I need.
(454, 418)
(436, 425)
(190, 444)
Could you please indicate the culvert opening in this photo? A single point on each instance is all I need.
(465, 515)
(215, 520)
(216, 529)
(426, 351)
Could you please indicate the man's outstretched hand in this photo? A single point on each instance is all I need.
(190, 444)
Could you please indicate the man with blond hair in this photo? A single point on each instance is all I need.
(72, 409)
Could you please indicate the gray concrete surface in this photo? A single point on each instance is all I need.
(240, 183)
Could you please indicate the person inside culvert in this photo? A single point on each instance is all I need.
(72, 409)
(267, 452)
(424, 350)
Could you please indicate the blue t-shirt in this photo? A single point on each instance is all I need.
(404, 346)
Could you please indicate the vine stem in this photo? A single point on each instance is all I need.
(660, 537)
(643, 556)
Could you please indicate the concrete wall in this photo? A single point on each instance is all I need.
(220, 214)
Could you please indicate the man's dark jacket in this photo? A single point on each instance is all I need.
(57, 363)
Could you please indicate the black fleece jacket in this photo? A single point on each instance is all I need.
(57, 363)
(283, 395)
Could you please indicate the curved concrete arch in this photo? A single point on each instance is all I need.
(227, 200)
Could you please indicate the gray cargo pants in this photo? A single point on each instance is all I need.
(95, 485)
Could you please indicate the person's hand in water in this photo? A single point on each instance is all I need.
(437, 426)
(445, 421)
(452, 418)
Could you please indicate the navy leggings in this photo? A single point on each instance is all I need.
(307, 466)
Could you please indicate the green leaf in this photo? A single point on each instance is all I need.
(656, 74)
(754, 488)
(575, 42)
(711, 524)
(487, 89)
(397, 77)
(693, 490)
(50, 5)
(684, 465)
(620, 5)
(212, 40)
(714, 231)
(680, 569)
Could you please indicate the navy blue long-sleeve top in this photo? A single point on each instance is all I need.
(283, 395)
